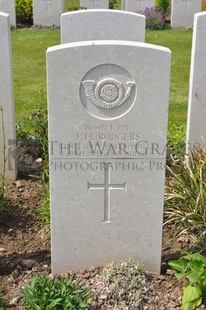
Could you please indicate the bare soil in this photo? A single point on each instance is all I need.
(25, 248)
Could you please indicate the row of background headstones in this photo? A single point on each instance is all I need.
(47, 12)
(196, 121)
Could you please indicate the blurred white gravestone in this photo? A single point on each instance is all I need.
(196, 123)
(108, 108)
(137, 5)
(47, 12)
(183, 12)
(94, 4)
(8, 133)
(8, 6)
(109, 25)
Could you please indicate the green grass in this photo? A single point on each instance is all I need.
(70, 4)
(179, 42)
(29, 62)
(29, 66)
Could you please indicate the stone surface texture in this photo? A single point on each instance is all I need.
(47, 12)
(136, 5)
(196, 124)
(8, 133)
(8, 6)
(94, 4)
(108, 109)
(183, 12)
(109, 25)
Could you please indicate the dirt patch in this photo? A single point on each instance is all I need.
(25, 249)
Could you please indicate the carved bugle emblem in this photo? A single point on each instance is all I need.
(108, 93)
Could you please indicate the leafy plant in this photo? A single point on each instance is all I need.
(185, 206)
(155, 19)
(193, 268)
(163, 5)
(23, 135)
(4, 159)
(115, 4)
(24, 10)
(38, 121)
(45, 208)
(176, 141)
(41, 134)
(55, 294)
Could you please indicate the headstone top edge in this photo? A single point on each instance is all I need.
(107, 11)
(108, 43)
(199, 15)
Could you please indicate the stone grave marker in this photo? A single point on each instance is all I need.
(47, 12)
(8, 6)
(136, 5)
(8, 133)
(109, 25)
(94, 4)
(108, 108)
(183, 12)
(196, 123)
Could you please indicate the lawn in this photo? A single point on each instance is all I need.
(29, 66)
(179, 42)
(29, 63)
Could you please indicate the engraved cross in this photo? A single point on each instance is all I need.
(95, 3)
(47, 3)
(187, 2)
(141, 3)
(107, 187)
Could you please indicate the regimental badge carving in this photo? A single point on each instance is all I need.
(107, 93)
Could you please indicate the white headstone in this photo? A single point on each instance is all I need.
(137, 5)
(108, 106)
(183, 12)
(94, 4)
(47, 12)
(196, 123)
(8, 6)
(109, 25)
(7, 139)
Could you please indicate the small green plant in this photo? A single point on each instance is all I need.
(176, 141)
(185, 206)
(4, 159)
(3, 201)
(193, 268)
(163, 5)
(24, 10)
(22, 135)
(41, 135)
(45, 293)
(115, 4)
(39, 123)
(45, 208)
